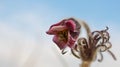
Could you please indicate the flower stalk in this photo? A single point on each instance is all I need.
(85, 64)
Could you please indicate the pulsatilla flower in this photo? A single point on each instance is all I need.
(65, 32)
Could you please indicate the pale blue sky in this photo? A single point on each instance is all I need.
(23, 24)
(93, 11)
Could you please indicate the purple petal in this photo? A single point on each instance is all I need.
(60, 43)
(71, 25)
(71, 41)
(56, 29)
(78, 26)
(76, 31)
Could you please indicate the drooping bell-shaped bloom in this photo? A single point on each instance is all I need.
(65, 32)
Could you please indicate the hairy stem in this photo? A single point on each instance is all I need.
(85, 64)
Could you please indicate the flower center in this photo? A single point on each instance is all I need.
(63, 35)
